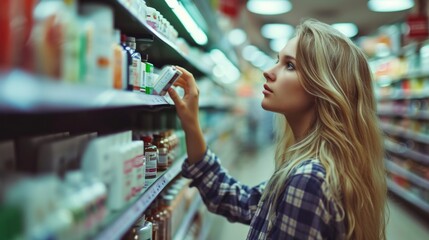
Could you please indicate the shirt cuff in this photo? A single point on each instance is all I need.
(198, 169)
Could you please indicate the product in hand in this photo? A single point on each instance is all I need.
(169, 74)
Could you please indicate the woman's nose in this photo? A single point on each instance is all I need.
(269, 76)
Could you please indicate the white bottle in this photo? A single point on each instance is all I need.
(101, 59)
(139, 168)
(120, 192)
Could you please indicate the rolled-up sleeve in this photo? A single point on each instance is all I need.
(221, 193)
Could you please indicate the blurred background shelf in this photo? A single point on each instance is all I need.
(402, 132)
(422, 115)
(187, 220)
(395, 168)
(407, 195)
(406, 152)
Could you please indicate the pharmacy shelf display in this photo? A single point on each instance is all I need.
(414, 178)
(117, 224)
(187, 220)
(404, 95)
(404, 114)
(403, 107)
(161, 50)
(23, 92)
(407, 195)
(405, 133)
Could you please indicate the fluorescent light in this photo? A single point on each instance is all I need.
(248, 52)
(269, 7)
(390, 5)
(188, 22)
(237, 37)
(348, 29)
(277, 30)
(224, 69)
(278, 44)
(172, 3)
(260, 61)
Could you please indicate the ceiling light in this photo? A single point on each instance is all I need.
(269, 7)
(277, 30)
(248, 52)
(390, 5)
(278, 44)
(227, 71)
(348, 29)
(261, 60)
(189, 23)
(237, 37)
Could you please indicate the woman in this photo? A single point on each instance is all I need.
(329, 179)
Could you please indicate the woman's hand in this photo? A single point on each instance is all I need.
(187, 110)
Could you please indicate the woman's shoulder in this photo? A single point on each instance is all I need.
(310, 167)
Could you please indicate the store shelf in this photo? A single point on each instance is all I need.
(405, 194)
(117, 224)
(402, 132)
(162, 50)
(417, 180)
(207, 226)
(403, 95)
(187, 220)
(422, 115)
(23, 92)
(390, 80)
(406, 152)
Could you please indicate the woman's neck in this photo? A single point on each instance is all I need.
(300, 124)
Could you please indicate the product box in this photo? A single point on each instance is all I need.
(168, 75)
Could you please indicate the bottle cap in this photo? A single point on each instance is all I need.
(146, 138)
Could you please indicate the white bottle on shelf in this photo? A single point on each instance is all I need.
(101, 59)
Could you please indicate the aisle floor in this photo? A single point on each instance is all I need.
(405, 222)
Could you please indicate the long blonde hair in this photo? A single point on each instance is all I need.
(344, 137)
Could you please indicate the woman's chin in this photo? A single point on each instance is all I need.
(264, 105)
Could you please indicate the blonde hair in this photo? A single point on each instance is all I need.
(344, 137)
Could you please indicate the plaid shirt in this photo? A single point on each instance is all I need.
(303, 213)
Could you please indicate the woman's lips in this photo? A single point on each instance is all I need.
(267, 90)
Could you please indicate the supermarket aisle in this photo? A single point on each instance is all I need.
(252, 168)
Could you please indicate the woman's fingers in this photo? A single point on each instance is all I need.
(187, 76)
(180, 84)
(175, 97)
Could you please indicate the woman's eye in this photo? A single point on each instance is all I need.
(290, 66)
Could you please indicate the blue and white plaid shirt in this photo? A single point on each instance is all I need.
(304, 212)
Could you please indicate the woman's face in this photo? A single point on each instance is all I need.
(283, 93)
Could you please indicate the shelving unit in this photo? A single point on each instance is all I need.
(406, 152)
(404, 95)
(187, 220)
(388, 80)
(21, 92)
(117, 224)
(161, 50)
(404, 114)
(410, 197)
(395, 168)
(402, 132)
(403, 111)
